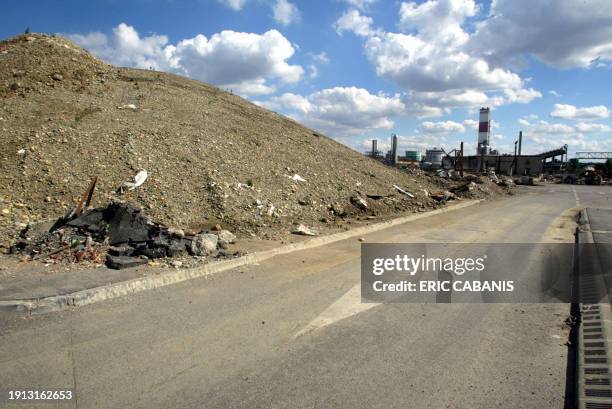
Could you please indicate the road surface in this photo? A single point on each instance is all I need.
(291, 332)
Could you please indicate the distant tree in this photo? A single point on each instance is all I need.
(27, 30)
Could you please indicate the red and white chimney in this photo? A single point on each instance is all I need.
(484, 131)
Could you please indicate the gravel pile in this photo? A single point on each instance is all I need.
(211, 157)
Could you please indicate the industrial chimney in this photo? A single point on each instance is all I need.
(484, 132)
(394, 149)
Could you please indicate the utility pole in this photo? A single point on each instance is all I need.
(461, 161)
(515, 164)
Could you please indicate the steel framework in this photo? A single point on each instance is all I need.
(593, 155)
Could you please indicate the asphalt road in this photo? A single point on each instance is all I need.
(291, 332)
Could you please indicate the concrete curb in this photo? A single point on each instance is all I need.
(97, 294)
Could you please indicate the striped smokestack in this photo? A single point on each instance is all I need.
(484, 131)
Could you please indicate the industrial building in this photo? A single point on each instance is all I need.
(508, 164)
(486, 158)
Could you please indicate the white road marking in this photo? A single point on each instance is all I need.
(576, 196)
(346, 306)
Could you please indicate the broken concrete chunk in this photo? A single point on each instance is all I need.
(57, 77)
(303, 230)
(121, 262)
(176, 248)
(443, 196)
(92, 220)
(359, 202)
(126, 223)
(297, 178)
(121, 250)
(225, 237)
(203, 244)
(305, 201)
(176, 232)
(467, 187)
(337, 209)
(128, 106)
(270, 211)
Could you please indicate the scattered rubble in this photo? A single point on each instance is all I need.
(399, 189)
(203, 244)
(303, 230)
(121, 232)
(297, 178)
(359, 202)
(443, 196)
(139, 179)
(201, 148)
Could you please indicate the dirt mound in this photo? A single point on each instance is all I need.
(212, 157)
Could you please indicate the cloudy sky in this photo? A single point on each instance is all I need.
(363, 69)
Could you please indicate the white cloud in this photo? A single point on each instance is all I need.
(561, 33)
(233, 4)
(360, 4)
(432, 63)
(521, 96)
(285, 12)
(288, 101)
(314, 71)
(126, 48)
(441, 127)
(246, 62)
(571, 112)
(421, 65)
(554, 93)
(320, 58)
(353, 21)
(438, 19)
(451, 99)
(340, 111)
(590, 127)
(546, 135)
(471, 124)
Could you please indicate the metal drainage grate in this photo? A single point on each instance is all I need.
(596, 370)
(597, 381)
(596, 378)
(593, 329)
(600, 393)
(595, 360)
(598, 405)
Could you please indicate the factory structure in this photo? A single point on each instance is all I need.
(486, 158)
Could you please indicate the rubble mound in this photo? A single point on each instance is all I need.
(211, 157)
(119, 231)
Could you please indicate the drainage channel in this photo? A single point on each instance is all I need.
(593, 358)
(594, 377)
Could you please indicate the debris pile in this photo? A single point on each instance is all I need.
(210, 157)
(120, 231)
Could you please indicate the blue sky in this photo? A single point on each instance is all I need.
(362, 69)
